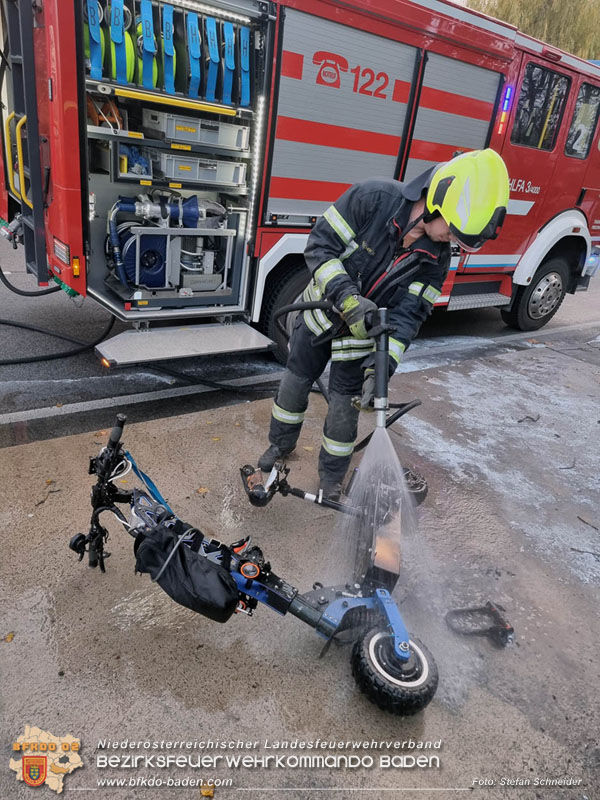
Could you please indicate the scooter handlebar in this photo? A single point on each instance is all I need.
(117, 431)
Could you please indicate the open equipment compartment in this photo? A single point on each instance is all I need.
(174, 102)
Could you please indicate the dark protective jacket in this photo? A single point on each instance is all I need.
(356, 247)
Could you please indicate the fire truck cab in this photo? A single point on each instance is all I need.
(167, 160)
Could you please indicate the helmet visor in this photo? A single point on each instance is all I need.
(471, 242)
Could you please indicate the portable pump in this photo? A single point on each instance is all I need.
(169, 250)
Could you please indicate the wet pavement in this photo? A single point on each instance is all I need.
(507, 437)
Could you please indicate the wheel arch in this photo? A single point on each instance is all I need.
(573, 249)
(565, 235)
(282, 257)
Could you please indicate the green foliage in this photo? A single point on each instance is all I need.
(573, 25)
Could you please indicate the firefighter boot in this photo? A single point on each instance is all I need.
(331, 491)
(270, 456)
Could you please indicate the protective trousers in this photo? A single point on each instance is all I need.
(305, 364)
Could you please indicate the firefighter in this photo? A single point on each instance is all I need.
(382, 244)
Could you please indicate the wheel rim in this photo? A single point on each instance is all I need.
(546, 296)
(411, 673)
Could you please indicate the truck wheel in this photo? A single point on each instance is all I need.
(536, 304)
(286, 290)
(400, 687)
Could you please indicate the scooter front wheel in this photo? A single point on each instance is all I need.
(400, 687)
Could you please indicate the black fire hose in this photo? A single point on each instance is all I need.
(22, 292)
(402, 409)
(326, 305)
(313, 305)
(84, 347)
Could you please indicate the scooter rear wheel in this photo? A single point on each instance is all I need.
(416, 485)
(400, 687)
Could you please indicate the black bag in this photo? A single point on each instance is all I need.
(189, 578)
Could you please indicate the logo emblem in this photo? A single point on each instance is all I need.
(330, 66)
(34, 770)
(41, 758)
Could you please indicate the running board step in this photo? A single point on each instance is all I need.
(159, 344)
(460, 302)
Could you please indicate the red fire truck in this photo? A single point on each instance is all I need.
(168, 159)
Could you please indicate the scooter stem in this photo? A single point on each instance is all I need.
(382, 354)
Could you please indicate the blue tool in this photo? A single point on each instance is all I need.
(117, 34)
(194, 50)
(245, 66)
(95, 36)
(168, 48)
(148, 44)
(212, 39)
(229, 62)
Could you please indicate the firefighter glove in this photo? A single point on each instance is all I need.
(368, 390)
(353, 312)
(369, 365)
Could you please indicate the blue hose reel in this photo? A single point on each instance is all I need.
(153, 258)
(138, 43)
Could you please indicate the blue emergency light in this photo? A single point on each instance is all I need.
(505, 108)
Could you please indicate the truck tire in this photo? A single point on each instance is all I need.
(285, 291)
(402, 688)
(536, 304)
